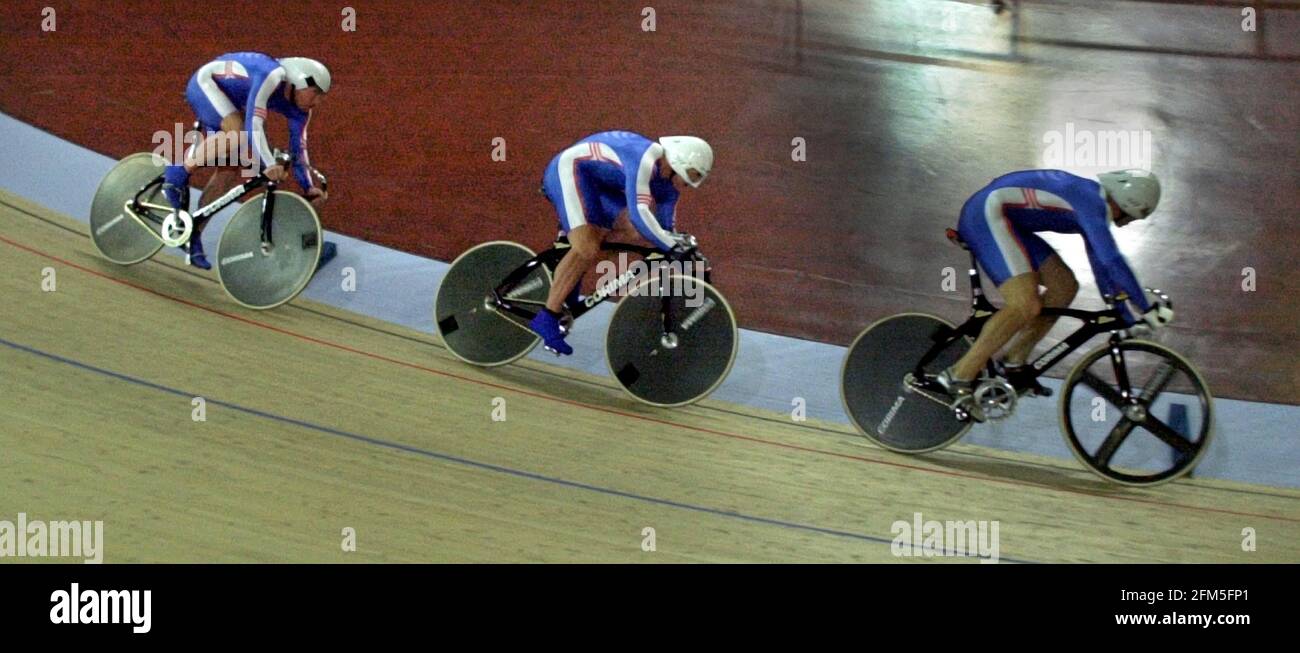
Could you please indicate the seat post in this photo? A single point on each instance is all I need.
(978, 301)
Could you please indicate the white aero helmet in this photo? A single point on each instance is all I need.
(306, 73)
(1137, 192)
(686, 154)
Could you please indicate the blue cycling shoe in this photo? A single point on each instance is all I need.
(194, 253)
(547, 325)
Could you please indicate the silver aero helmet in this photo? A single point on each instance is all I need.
(687, 154)
(306, 73)
(1137, 192)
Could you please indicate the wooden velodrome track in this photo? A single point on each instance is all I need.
(318, 420)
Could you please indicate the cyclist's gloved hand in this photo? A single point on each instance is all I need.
(1158, 315)
(686, 244)
(276, 173)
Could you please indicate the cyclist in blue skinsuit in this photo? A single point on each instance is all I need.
(614, 182)
(1000, 225)
(231, 96)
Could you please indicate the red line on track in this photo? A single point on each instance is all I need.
(643, 418)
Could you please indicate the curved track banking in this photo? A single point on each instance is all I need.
(319, 420)
(905, 108)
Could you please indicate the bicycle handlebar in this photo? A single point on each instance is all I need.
(284, 159)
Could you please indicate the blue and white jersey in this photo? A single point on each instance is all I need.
(999, 223)
(253, 83)
(596, 179)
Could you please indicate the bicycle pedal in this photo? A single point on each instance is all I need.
(1025, 387)
(967, 410)
(995, 399)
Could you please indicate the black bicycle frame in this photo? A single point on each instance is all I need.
(551, 259)
(213, 208)
(1094, 323)
(203, 214)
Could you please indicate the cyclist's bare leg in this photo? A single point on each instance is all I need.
(584, 249)
(222, 151)
(625, 232)
(1021, 306)
(223, 148)
(1061, 286)
(222, 180)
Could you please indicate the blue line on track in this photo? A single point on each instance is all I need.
(461, 461)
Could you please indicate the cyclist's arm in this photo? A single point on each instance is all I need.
(1107, 286)
(1112, 272)
(666, 211)
(255, 116)
(639, 200)
(298, 147)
